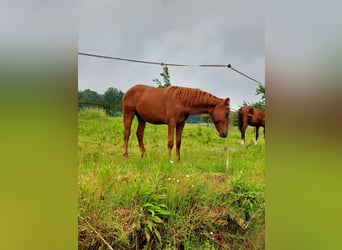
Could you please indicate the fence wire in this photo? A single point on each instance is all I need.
(229, 66)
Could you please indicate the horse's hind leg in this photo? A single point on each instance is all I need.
(240, 123)
(128, 117)
(140, 135)
(256, 134)
(171, 136)
(243, 133)
(242, 127)
(179, 130)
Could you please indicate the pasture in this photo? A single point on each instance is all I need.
(201, 202)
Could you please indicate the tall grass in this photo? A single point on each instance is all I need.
(200, 202)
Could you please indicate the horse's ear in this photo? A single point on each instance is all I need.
(227, 102)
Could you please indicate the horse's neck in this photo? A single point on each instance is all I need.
(203, 107)
(194, 101)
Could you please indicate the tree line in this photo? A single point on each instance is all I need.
(111, 100)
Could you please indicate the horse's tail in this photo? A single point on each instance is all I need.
(240, 118)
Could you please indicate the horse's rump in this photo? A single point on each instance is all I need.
(251, 115)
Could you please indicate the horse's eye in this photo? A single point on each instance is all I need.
(227, 115)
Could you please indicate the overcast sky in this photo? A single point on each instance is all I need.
(173, 31)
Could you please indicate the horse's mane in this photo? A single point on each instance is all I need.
(191, 96)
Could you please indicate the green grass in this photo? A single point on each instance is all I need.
(199, 202)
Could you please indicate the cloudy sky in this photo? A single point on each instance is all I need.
(173, 31)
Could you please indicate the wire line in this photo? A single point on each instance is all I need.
(171, 64)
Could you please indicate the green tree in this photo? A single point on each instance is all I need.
(90, 96)
(233, 118)
(260, 104)
(166, 78)
(194, 118)
(113, 95)
(205, 118)
(112, 101)
(245, 104)
(260, 91)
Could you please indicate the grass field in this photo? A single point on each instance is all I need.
(213, 198)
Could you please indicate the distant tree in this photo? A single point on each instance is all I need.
(261, 91)
(195, 118)
(112, 101)
(245, 104)
(205, 118)
(113, 95)
(260, 104)
(166, 78)
(233, 118)
(90, 96)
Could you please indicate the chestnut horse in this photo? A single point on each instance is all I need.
(171, 106)
(249, 115)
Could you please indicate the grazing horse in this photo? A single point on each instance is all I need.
(249, 115)
(171, 106)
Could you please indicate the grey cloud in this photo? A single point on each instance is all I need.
(189, 32)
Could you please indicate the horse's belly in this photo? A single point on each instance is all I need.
(154, 115)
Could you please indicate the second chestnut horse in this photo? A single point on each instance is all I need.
(171, 106)
(249, 115)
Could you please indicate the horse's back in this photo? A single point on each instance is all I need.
(139, 87)
(246, 110)
(142, 93)
(133, 94)
(136, 90)
(146, 101)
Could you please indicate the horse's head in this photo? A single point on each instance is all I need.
(220, 117)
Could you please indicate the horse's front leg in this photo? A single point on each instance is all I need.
(127, 120)
(243, 124)
(171, 136)
(179, 130)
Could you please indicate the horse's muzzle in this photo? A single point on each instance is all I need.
(223, 135)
